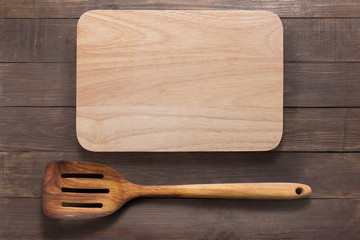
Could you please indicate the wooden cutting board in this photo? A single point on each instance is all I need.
(194, 80)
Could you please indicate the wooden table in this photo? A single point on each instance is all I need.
(320, 145)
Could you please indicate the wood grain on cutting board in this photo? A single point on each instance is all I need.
(192, 80)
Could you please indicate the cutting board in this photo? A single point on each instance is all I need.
(180, 80)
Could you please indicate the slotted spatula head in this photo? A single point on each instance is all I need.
(83, 190)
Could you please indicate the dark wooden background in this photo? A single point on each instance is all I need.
(320, 145)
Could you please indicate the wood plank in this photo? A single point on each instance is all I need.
(321, 40)
(37, 84)
(352, 131)
(322, 85)
(330, 175)
(191, 219)
(305, 129)
(169, 80)
(305, 84)
(305, 40)
(284, 8)
(38, 40)
(320, 129)
(26, 129)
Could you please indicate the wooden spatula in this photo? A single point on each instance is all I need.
(89, 190)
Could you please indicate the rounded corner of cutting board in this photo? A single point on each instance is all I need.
(87, 13)
(277, 142)
(84, 18)
(84, 144)
(274, 15)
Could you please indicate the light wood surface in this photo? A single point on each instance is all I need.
(69, 183)
(179, 80)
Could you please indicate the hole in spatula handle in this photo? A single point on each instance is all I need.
(299, 191)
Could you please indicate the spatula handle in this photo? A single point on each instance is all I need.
(230, 190)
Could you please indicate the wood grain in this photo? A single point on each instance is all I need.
(305, 84)
(321, 80)
(321, 130)
(284, 8)
(305, 129)
(32, 129)
(37, 84)
(38, 40)
(191, 219)
(332, 40)
(305, 40)
(330, 175)
(322, 85)
(118, 190)
(179, 80)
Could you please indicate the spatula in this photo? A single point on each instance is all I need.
(89, 190)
